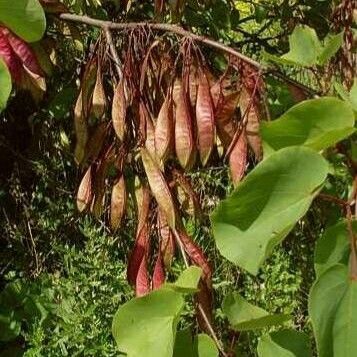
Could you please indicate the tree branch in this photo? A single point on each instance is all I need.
(108, 25)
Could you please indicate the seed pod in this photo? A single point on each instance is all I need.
(95, 142)
(145, 118)
(204, 299)
(142, 284)
(225, 118)
(250, 110)
(195, 253)
(238, 159)
(164, 130)
(87, 85)
(159, 187)
(205, 119)
(81, 129)
(142, 197)
(141, 249)
(85, 193)
(99, 101)
(193, 86)
(158, 277)
(118, 203)
(167, 243)
(119, 110)
(184, 142)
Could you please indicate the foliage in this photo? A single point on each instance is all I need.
(173, 135)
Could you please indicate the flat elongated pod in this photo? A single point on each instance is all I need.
(167, 242)
(142, 283)
(238, 159)
(164, 130)
(118, 203)
(205, 119)
(142, 197)
(184, 139)
(225, 117)
(119, 108)
(95, 142)
(146, 119)
(159, 187)
(99, 101)
(158, 277)
(250, 109)
(85, 193)
(81, 130)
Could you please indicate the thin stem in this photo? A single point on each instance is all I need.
(200, 308)
(108, 25)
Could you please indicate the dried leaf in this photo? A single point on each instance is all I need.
(238, 159)
(85, 193)
(99, 101)
(159, 187)
(205, 119)
(164, 130)
(184, 141)
(250, 108)
(158, 277)
(119, 110)
(118, 203)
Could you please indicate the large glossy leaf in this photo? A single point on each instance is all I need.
(345, 325)
(146, 326)
(24, 17)
(266, 205)
(317, 123)
(244, 316)
(304, 46)
(5, 84)
(324, 300)
(205, 346)
(284, 343)
(332, 45)
(333, 247)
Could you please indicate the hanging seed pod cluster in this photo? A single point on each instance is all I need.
(138, 134)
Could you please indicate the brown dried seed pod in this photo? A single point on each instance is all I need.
(158, 277)
(99, 101)
(159, 187)
(184, 141)
(119, 110)
(225, 117)
(142, 283)
(164, 131)
(146, 119)
(85, 193)
(118, 203)
(95, 142)
(238, 159)
(250, 109)
(167, 243)
(81, 130)
(205, 119)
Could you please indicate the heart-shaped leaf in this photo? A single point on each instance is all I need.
(266, 205)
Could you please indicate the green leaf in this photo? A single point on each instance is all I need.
(184, 344)
(345, 325)
(305, 46)
(333, 247)
(332, 45)
(146, 326)
(316, 123)
(353, 95)
(284, 343)
(266, 205)
(202, 346)
(188, 281)
(5, 84)
(205, 346)
(24, 17)
(244, 316)
(324, 300)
